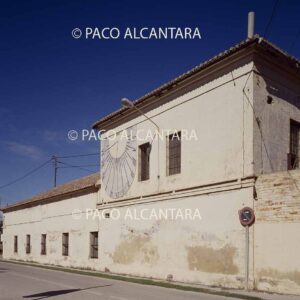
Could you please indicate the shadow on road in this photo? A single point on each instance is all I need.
(49, 294)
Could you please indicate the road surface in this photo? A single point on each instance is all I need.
(26, 282)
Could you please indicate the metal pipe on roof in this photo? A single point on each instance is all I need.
(251, 16)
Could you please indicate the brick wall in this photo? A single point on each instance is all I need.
(278, 197)
(277, 233)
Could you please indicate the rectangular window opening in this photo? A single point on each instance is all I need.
(293, 155)
(144, 161)
(28, 246)
(65, 244)
(43, 244)
(174, 153)
(15, 244)
(94, 244)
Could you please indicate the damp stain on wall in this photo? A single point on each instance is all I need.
(136, 249)
(206, 259)
(270, 274)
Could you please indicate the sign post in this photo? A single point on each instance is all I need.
(247, 258)
(247, 218)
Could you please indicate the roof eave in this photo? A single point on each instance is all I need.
(63, 196)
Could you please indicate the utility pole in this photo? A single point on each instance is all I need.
(55, 166)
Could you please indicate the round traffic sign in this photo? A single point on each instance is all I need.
(247, 216)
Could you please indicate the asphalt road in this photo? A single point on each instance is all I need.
(25, 282)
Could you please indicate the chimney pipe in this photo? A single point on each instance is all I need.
(251, 15)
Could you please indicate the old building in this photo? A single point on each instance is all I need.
(220, 137)
(43, 229)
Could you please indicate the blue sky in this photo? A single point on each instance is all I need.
(51, 83)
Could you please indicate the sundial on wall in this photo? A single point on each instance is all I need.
(118, 162)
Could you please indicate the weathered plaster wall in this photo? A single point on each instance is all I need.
(277, 228)
(52, 219)
(222, 117)
(272, 123)
(209, 250)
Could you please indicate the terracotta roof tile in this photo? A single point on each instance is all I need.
(61, 191)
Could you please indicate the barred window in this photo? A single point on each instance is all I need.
(15, 244)
(65, 244)
(174, 153)
(293, 156)
(28, 247)
(94, 244)
(43, 244)
(144, 161)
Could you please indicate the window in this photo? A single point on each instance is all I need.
(174, 153)
(144, 161)
(94, 244)
(28, 247)
(15, 244)
(65, 244)
(43, 244)
(293, 156)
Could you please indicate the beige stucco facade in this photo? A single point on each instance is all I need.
(51, 219)
(192, 249)
(215, 108)
(239, 137)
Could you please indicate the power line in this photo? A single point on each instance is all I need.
(78, 155)
(25, 175)
(257, 122)
(271, 18)
(53, 159)
(294, 41)
(79, 167)
(56, 162)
